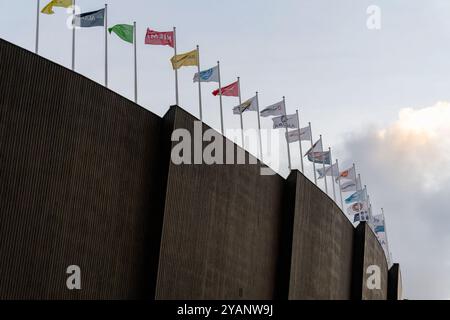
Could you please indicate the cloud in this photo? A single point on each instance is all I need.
(406, 168)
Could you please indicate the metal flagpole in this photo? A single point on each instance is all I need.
(387, 241)
(176, 70)
(106, 45)
(73, 36)
(287, 141)
(240, 112)
(332, 176)
(199, 85)
(323, 167)
(37, 27)
(300, 142)
(220, 96)
(339, 183)
(135, 63)
(314, 164)
(259, 128)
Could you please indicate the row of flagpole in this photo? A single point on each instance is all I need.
(316, 153)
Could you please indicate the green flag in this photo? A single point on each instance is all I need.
(123, 31)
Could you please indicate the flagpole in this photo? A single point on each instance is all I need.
(220, 96)
(240, 112)
(339, 183)
(135, 64)
(332, 175)
(176, 70)
(106, 45)
(199, 85)
(300, 141)
(314, 164)
(286, 136)
(323, 167)
(387, 240)
(259, 128)
(37, 28)
(73, 36)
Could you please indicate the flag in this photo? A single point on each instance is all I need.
(231, 90)
(364, 216)
(378, 223)
(350, 174)
(320, 157)
(123, 31)
(48, 9)
(285, 121)
(185, 59)
(90, 19)
(358, 207)
(159, 38)
(328, 171)
(303, 134)
(276, 109)
(248, 105)
(348, 186)
(357, 196)
(210, 75)
(317, 147)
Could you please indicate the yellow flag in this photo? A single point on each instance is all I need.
(48, 9)
(185, 59)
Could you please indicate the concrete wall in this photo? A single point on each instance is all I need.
(395, 286)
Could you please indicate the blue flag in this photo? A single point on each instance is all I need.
(357, 196)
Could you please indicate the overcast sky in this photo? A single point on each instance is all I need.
(379, 97)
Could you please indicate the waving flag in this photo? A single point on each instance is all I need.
(350, 174)
(165, 38)
(210, 75)
(123, 31)
(357, 196)
(328, 171)
(48, 9)
(276, 109)
(378, 224)
(303, 134)
(231, 90)
(90, 19)
(249, 105)
(348, 186)
(358, 207)
(185, 59)
(286, 121)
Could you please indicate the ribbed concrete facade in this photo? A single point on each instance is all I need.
(86, 179)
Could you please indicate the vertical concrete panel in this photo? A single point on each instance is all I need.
(395, 287)
(322, 244)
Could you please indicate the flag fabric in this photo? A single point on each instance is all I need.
(276, 109)
(348, 186)
(158, 38)
(249, 105)
(123, 31)
(320, 157)
(378, 223)
(48, 9)
(360, 217)
(231, 90)
(357, 196)
(350, 174)
(289, 121)
(317, 147)
(90, 19)
(210, 75)
(328, 171)
(185, 59)
(358, 207)
(303, 134)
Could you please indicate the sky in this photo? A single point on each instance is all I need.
(380, 98)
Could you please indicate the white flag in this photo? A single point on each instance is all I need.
(358, 207)
(276, 109)
(348, 186)
(210, 75)
(289, 121)
(329, 171)
(295, 135)
(349, 174)
(248, 105)
(317, 147)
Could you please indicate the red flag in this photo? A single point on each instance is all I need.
(231, 90)
(159, 38)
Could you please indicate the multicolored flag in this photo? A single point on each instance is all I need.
(328, 171)
(231, 90)
(289, 121)
(378, 224)
(48, 9)
(185, 59)
(123, 31)
(358, 207)
(90, 19)
(276, 109)
(210, 75)
(303, 134)
(248, 105)
(320, 157)
(165, 38)
(360, 217)
(357, 196)
(350, 174)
